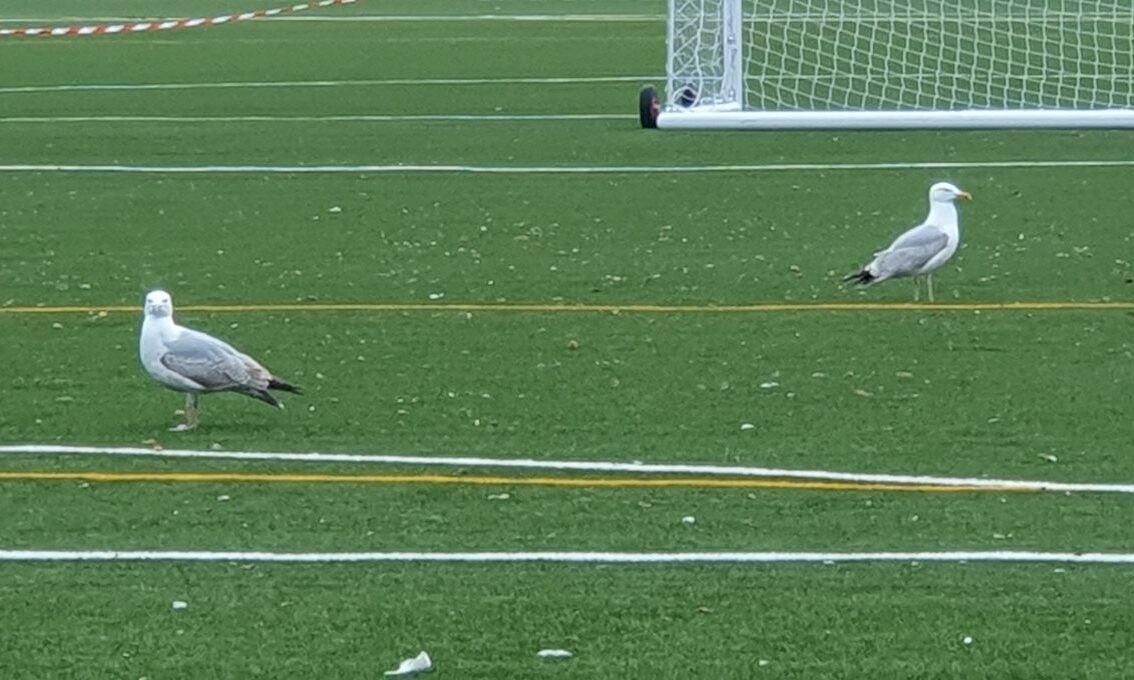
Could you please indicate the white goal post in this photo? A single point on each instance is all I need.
(890, 64)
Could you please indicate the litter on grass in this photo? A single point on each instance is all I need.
(418, 664)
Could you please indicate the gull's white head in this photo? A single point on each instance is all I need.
(159, 304)
(944, 192)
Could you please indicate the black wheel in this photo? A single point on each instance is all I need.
(648, 106)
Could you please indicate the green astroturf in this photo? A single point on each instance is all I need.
(483, 621)
(995, 394)
(379, 517)
(669, 388)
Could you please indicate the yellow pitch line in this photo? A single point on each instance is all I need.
(561, 482)
(629, 308)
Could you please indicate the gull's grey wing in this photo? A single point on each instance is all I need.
(922, 236)
(910, 251)
(209, 362)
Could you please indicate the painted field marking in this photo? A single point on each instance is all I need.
(289, 84)
(959, 557)
(136, 26)
(517, 18)
(551, 169)
(361, 118)
(602, 309)
(383, 18)
(551, 482)
(761, 18)
(577, 466)
(410, 82)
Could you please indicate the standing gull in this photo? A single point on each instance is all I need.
(921, 249)
(188, 361)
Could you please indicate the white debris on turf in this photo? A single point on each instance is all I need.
(688, 519)
(418, 664)
(554, 654)
(178, 605)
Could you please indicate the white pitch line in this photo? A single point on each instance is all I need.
(752, 18)
(563, 557)
(1053, 18)
(282, 84)
(549, 169)
(552, 80)
(71, 19)
(575, 465)
(518, 18)
(379, 118)
(366, 18)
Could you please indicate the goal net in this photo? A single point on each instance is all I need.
(899, 64)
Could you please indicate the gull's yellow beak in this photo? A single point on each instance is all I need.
(965, 195)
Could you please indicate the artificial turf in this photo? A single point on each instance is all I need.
(1036, 394)
(640, 622)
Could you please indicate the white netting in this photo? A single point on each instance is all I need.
(701, 36)
(879, 55)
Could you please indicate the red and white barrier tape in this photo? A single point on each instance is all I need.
(143, 26)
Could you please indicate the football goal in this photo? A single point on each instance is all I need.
(885, 64)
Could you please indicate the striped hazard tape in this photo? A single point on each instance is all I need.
(144, 26)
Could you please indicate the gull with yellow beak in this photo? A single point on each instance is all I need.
(921, 250)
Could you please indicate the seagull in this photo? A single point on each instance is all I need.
(189, 361)
(921, 249)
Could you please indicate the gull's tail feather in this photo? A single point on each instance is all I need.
(863, 277)
(277, 384)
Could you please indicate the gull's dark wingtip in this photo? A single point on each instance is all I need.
(863, 277)
(277, 384)
(264, 396)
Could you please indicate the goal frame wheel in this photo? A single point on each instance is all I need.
(649, 106)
